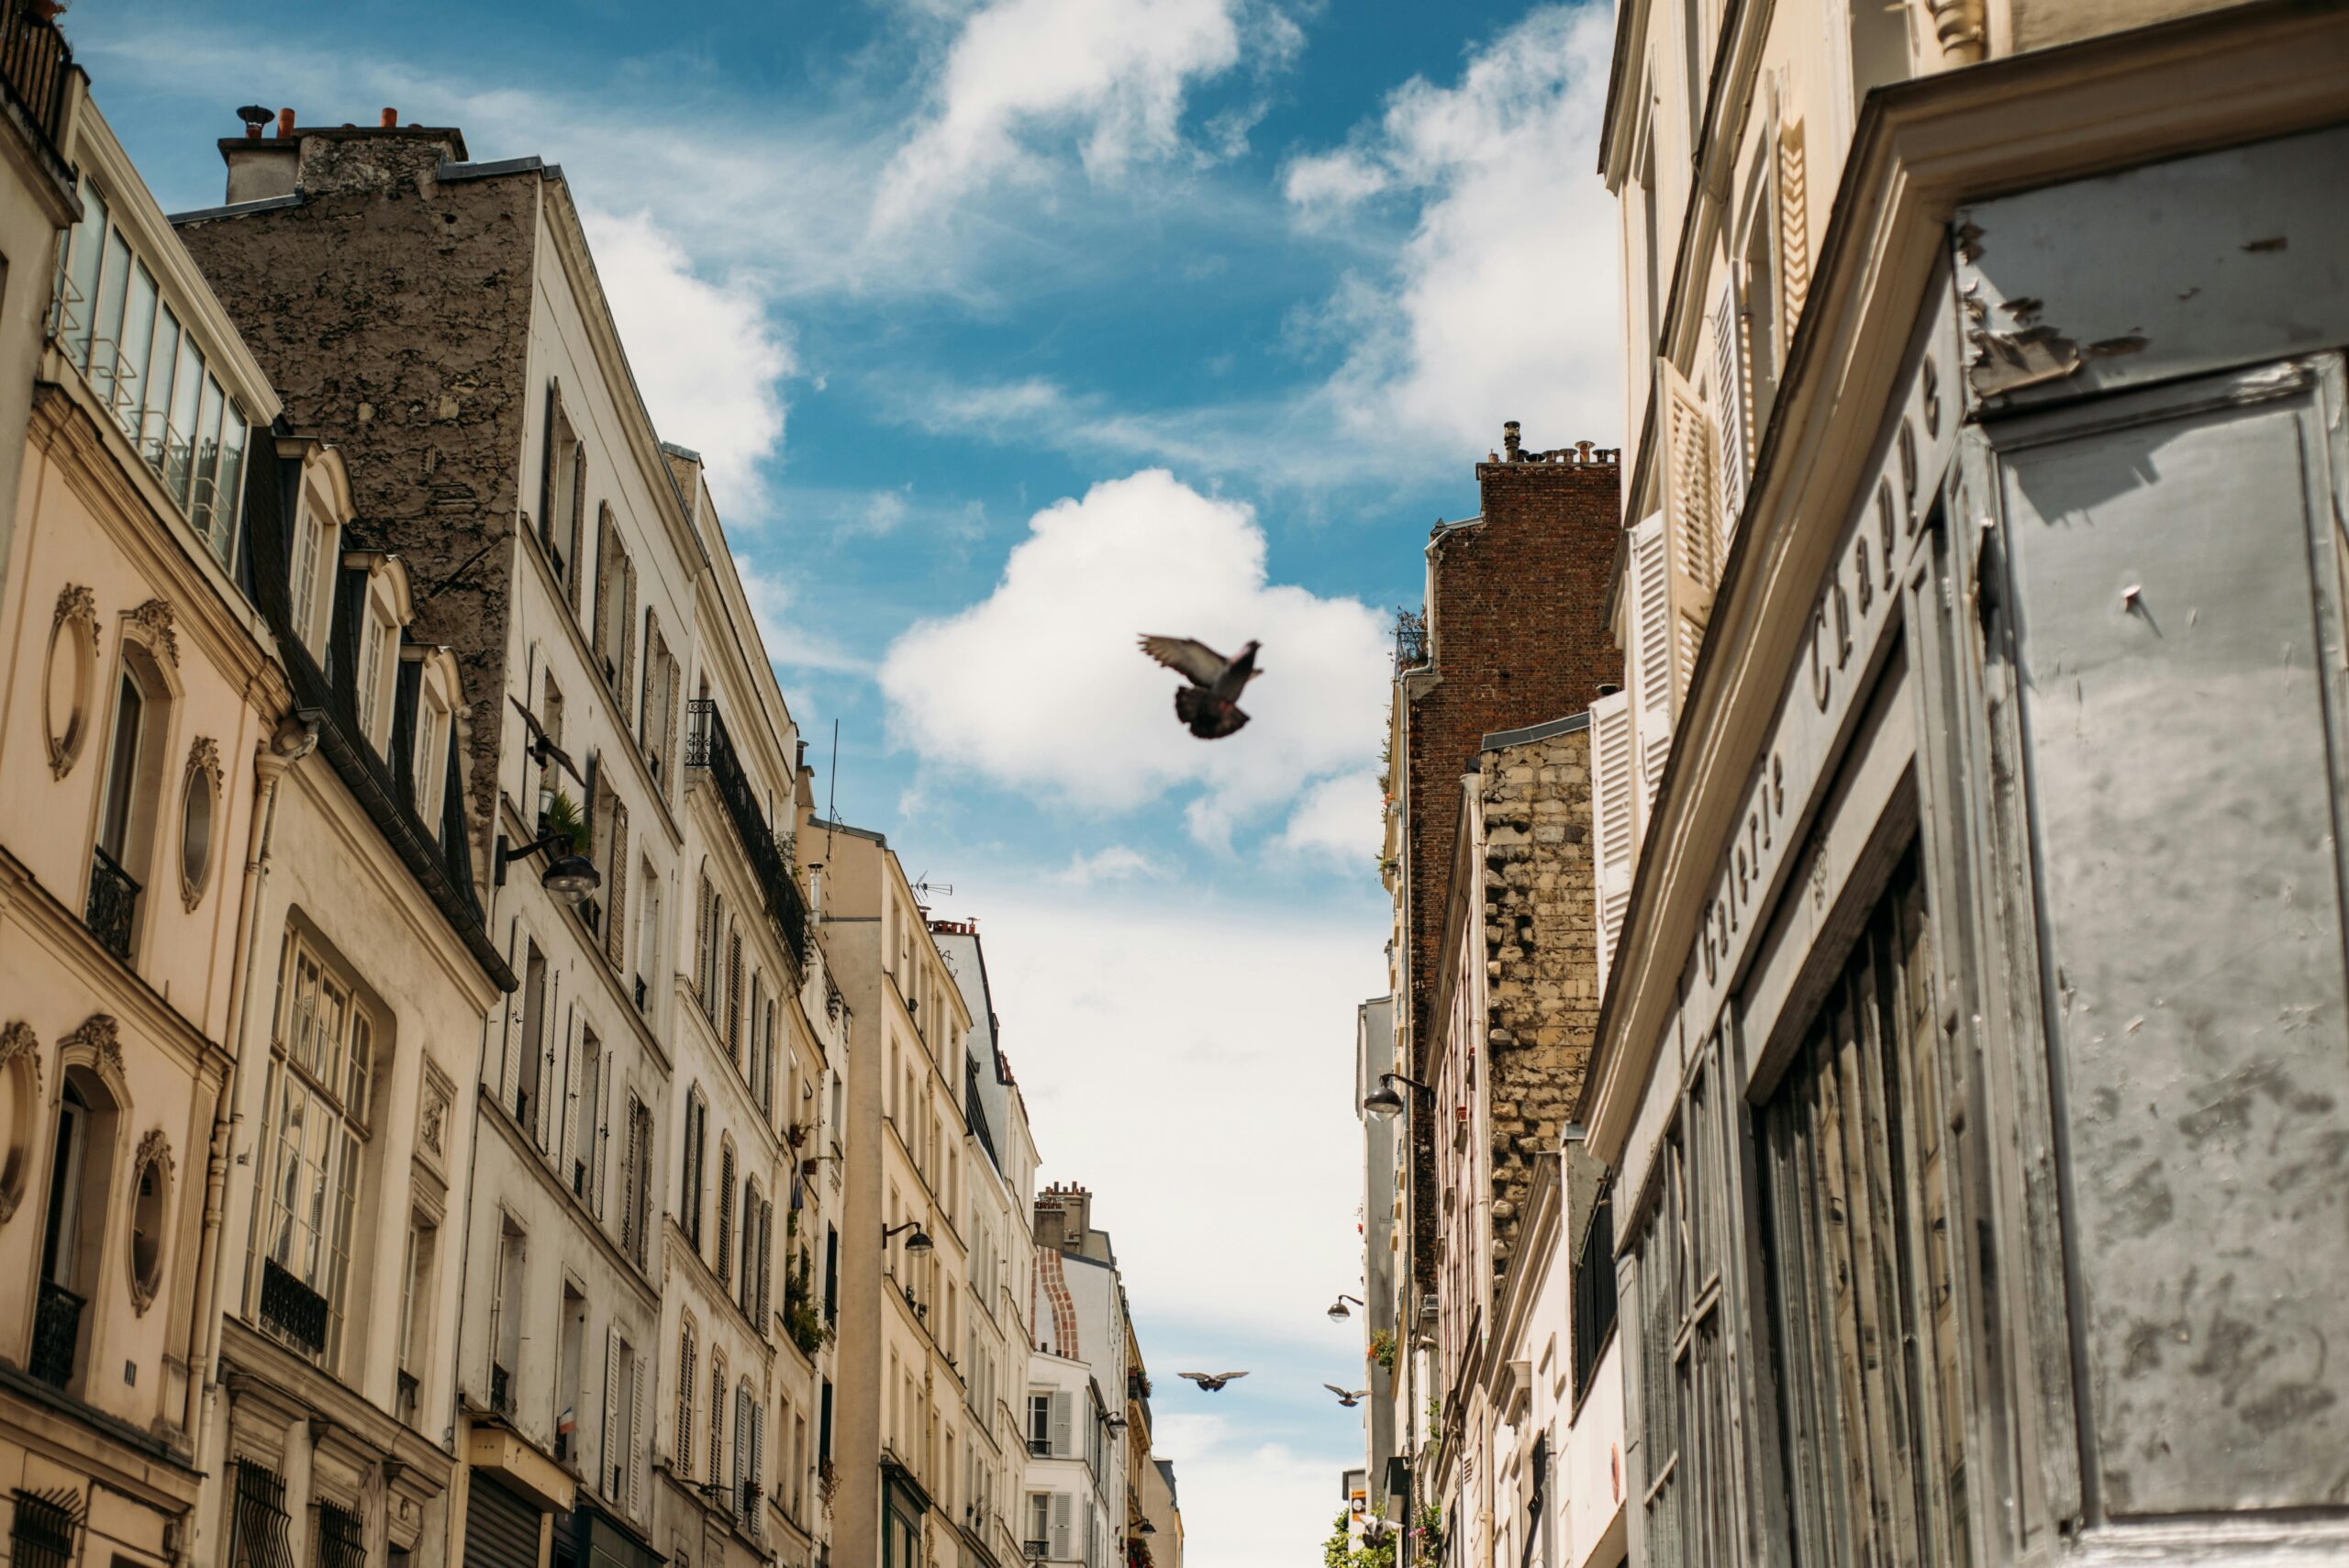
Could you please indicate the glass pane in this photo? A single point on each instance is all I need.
(155, 395)
(77, 312)
(362, 1066)
(228, 498)
(187, 385)
(207, 459)
(137, 329)
(106, 343)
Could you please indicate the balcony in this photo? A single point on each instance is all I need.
(1410, 639)
(35, 62)
(710, 749)
(113, 911)
(292, 1310)
(501, 1391)
(57, 1334)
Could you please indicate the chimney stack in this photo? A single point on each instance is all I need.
(286, 122)
(1511, 440)
(390, 119)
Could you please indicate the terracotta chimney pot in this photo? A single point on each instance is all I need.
(286, 122)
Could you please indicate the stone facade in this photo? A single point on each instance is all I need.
(1540, 952)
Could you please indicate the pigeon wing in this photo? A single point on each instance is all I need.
(1338, 1391)
(1227, 1376)
(1187, 656)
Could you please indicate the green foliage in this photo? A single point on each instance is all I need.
(1338, 1552)
(560, 817)
(803, 1319)
(1382, 1348)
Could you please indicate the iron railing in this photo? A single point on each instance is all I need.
(708, 746)
(501, 1390)
(341, 1542)
(1410, 638)
(41, 1535)
(261, 1529)
(57, 1334)
(113, 911)
(34, 61)
(291, 1308)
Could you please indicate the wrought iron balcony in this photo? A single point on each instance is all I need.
(35, 62)
(57, 1334)
(1410, 638)
(113, 903)
(501, 1390)
(708, 747)
(290, 1309)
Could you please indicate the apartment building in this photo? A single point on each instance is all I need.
(999, 1154)
(496, 443)
(902, 1428)
(1076, 1483)
(1971, 1050)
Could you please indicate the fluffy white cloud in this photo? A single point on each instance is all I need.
(1119, 863)
(1339, 819)
(709, 360)
(789, 644)
(1039, 685)
(1503, 302)
(1112, 73)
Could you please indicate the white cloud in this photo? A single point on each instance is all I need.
(1113, 73)
(1119, 863)
(709, 362)
(1039, 685)
(789, 644)
(1503, 302)
(1339, 819)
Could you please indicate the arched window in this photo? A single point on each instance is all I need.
(81, 1163)
(126, 806)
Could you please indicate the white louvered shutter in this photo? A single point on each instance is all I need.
(742, 1446)
(684, 1435)
(510, 1068)
(758, 1464)
(636, 1437)
(608, 1436)
(1654, 695)
(1060, 1510)
(1064, 1427)
(725, 1261)
(1614, 793)
(1730, 406)
(1794, 224)
(631, 1173)
(717, 1417)
(767, 1258)
(599, 1138)
(543, 1111)
(575, 1068)
(616, 916)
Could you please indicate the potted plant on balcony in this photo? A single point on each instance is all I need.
(1382, 1348)
(559, 814)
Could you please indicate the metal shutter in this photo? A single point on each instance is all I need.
(501, 1528)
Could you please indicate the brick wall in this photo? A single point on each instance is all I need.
(1542, 957)
(391, 312)
(1517, 635)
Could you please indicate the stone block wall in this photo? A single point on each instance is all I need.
(1541, 956)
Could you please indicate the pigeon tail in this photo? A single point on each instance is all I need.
(1210, 718)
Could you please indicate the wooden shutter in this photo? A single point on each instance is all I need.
(1063, 1426)
(607, 561)
(575, 1070)
(546, 464)
(543, 1112)
(624, 687)
(684, 1435)
(632, 1180)
(578, 519)
(510, 1068)
(766, 1259)
(608, 1442)
(734, 996)
(1794, 224)
(1730, 404)
(1061, 1509)
(704, 925)
(1654, 692)
(636, 1436)
(616, 917)
(725, 1212)
(599, 1137)
(758, 1462)
(1614, 793)
(717, 1415)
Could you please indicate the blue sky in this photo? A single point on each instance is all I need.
(1011, 328)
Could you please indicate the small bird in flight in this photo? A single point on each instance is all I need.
(542, 749)
(1210, 1382)
(1346, 1397)
(1210, 703)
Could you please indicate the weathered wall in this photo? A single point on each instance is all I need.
(393, 313)
(1542, 957)
(1517, 612)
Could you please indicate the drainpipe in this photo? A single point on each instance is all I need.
(292, 741)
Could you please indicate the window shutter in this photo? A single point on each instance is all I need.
(607, 560)
(545, 466)
(704, 925)
(631, 1179)
(672, 673)
(509, 1071)
(1729, 402)
(578, 518)
(766, 1260)
(615, 919)
(717, 1416)
(625, 687)
(645, 732)
(544, 1109)
(725, 1212)
(1061, 1501)
(758, 1462)
(636, 1436)
(599, 1137)
(608, 1448)
(575, 1069)
(1614, 790)
(1794, 224)
(1064, 1427)
(734, 996)
(1652, 689)
(741, 1448)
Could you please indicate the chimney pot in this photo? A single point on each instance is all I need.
(390, 119)
(252, 132)
(286, 122)
(1510, 440)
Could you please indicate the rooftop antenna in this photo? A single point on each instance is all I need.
(832, 794)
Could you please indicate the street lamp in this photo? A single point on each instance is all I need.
(918, 1241)
(1338, 1313)
(1383, 1102)
(570, 877)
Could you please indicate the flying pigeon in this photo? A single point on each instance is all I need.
(542, 748)
(1348, 1397)
(1208, 704)
(1210, 1382)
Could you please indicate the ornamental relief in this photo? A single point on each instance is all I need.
(69, 679)
(155, 615)
(20, 1093)
(99, 1033)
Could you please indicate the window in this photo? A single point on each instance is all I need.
(532, 1047)
(696, 1141)
(506, 1313)
(199, 813)
(321, 1077)
(40, 1533)
(415, 1296)
(259, 1525)
(1039, 1542)
(81, 1163)
(342, 1542)
(570, 1369)
(686, 1388)
(648, 934)
(725, 1209)
(431, 752)
(615, 613)
(305, 574)
(586, 1131)
(378, 646)
(120, 851)
(150, 1209)
(636, 1189)
(561, 490)
(1593, 1291)
(734, 995)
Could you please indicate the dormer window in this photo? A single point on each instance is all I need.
(377, 641)
(436, 704)
(308, 599)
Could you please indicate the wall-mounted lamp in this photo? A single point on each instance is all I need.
(570, 877)
(1383, 1102)
(918, 1241)
(1338, 1313)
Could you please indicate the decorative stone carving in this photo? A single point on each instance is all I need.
(99, 1033)
(155, 615)
(156, 1146)
(154, 1153)
(19, 1059)
(203, 758)
(76, 613)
